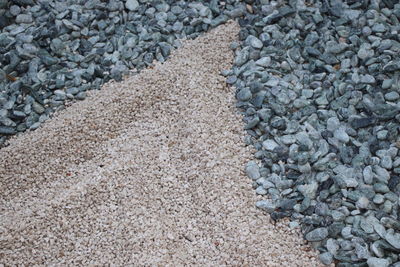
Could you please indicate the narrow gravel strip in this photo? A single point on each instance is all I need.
(146, 172)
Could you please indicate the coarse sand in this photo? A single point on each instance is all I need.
(146, 172)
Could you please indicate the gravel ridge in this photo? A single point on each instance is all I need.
(144, 177)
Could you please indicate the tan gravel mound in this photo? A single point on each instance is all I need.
(147, 172)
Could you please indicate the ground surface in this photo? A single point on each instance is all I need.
(148, 171)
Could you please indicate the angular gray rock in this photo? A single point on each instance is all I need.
(132, 5)
(377, 262)
(252, 170)
(317, 234)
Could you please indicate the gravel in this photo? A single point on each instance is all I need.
(317, 84)
(132, 175)
(319, 95)
(49, 46)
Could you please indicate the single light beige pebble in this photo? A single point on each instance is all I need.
(146, 172)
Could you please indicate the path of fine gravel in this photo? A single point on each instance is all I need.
(147, 171)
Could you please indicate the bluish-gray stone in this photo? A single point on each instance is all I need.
(318, 234)
(242, 57)
(7, 130)
(377, 262)
(270, 145)
(266, 205)
(252, 170)
(254, 42)
(132, 5)
(244, 94)
(24, 18)
(393, 239)
(326, 258)
(392, 96)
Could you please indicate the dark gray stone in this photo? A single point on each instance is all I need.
(7, 130)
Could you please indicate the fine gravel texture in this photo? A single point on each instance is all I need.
(147, 172)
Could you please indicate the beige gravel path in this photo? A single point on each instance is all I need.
(147, 172)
